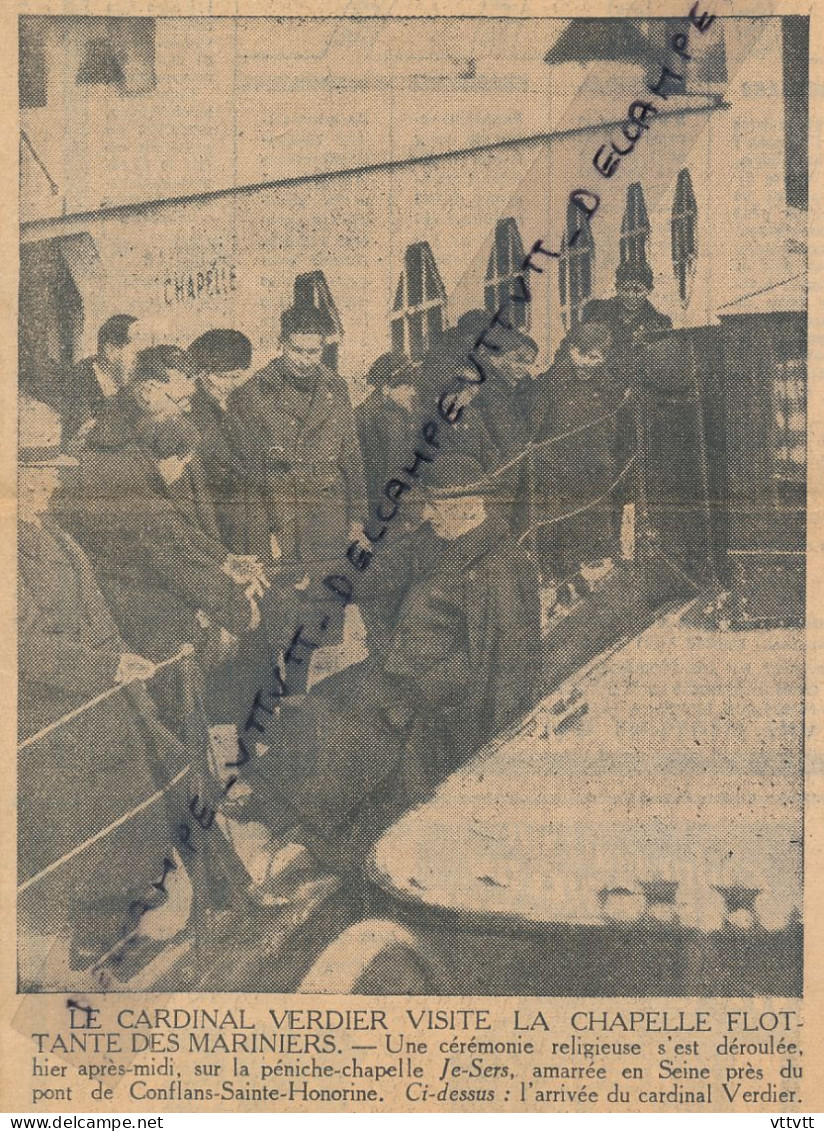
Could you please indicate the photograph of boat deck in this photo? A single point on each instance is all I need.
(412, 504)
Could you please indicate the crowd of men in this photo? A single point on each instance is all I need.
(202, 501)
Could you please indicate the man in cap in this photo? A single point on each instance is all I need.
(502, 416)
(465, 658)
(94, 380)
(494, 362)
(75, 779)
(450, 353)
(387, 420)
(293, 429)
(221, 361)
(634, 324)
(629, 315)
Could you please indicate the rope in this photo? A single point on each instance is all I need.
(534, 447)
(588, 506)
(763, 291)
(104, 832)
(186, 650)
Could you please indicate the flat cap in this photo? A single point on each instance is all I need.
(152, 363)
(220, 351)
(304, 318)
(389, 369)
(588, 336)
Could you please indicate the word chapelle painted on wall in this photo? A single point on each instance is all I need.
(217, 279)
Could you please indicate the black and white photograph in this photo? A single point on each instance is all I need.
(412, 496)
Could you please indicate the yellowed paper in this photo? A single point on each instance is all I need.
(416, 676)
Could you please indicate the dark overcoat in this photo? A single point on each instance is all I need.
(240, 513)
(155, 548)
(626, 332)
(465, 660)
(581, 450)
(82, 398)
(99, 769)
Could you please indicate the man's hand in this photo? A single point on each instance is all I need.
(133, 667)
(274, 545)
(255, 567)
(246, 569)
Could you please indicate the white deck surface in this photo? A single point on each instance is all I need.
(686, 767)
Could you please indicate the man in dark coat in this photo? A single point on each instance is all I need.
(70, 646)
(94, 380)
(465, 659)
(449, 353)
(495, 363)
(502, 402)
(293, 428)
(143, 510)
(388, 423)
(76, 779)
(462, 663)
(378, 735)
(629, 315)
(221, 361)
(500, 419)
(579, 461)
(633, 324)
(387, 420)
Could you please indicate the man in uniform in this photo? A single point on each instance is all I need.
(93, 381)
(293, 429)
(76, 779)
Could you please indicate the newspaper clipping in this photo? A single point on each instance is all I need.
(415, 704)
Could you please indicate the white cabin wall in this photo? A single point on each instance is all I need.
(356, 226)
(751, 196)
